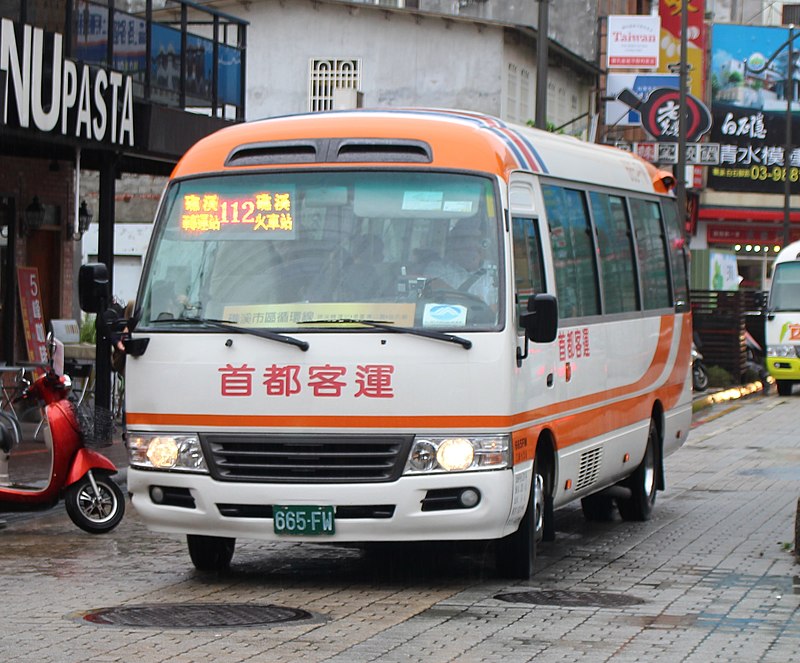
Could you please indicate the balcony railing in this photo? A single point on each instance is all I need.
(178, 53)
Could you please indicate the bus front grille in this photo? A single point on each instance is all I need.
(305, 459)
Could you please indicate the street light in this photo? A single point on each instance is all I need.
(787, 149)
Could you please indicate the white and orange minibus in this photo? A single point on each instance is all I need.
(405, 325)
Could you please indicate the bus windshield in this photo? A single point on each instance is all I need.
(785, 292)
(311, 250)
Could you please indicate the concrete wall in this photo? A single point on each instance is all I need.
(405, 59)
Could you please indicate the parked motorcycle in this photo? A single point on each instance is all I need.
(94, 502)
(699, 372)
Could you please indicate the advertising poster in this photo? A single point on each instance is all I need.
(633, 42)
(33, 324)
(749, 109)
(723, 272)
(669, 61)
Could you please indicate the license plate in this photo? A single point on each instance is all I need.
(303, 520)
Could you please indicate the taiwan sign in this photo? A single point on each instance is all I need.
(633, 42)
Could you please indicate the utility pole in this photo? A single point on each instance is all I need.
(540, 120)
(788, 147)
(680, 175)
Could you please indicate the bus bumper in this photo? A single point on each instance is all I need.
(197, 504)
(784, 368)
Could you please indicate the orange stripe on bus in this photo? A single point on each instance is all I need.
(570, 428)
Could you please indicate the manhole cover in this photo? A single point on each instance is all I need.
(194, 615)
(571, 599)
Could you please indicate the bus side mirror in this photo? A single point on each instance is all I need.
(541, 320)
(93, 290)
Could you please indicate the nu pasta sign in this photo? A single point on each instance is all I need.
(43, 90)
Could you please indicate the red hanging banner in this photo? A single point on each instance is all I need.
(30, 302)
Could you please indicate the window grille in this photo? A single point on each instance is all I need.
(326, 75)
(518, 93)
(512, 80)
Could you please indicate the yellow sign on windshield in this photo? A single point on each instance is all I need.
(269, 211)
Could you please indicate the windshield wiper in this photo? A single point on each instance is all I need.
(229, 325)
(387, 325)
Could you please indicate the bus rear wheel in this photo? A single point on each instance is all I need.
(643, 482)
(210, 553)
(785, 387)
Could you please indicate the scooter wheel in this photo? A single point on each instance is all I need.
(95, 513)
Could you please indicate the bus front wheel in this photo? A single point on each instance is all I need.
(785, 387)
(516, 553)
(643, 482)
(210, 553)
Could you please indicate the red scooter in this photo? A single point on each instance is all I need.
(94, 502)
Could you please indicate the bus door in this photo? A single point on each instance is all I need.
(536, 371)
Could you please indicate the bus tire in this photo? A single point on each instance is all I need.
(784, 387)
(515, 554)
(210, 553)
(642, 483)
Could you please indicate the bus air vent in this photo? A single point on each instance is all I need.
(277, 152)
(589, 468)
(382, 150)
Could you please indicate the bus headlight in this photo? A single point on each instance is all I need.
(167, 452)
(458, 454)
(783, 351)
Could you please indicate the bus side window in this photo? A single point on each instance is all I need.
(573, 252)
(678, 257)
(615, 244)
(528, 265)
(652, 253)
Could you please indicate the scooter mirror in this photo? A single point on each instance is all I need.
(57, 357)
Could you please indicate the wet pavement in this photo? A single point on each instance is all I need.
(711, 577)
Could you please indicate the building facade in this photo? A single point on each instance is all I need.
(82, 91)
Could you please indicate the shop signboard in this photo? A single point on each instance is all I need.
(670, 42)
(618, 113)
(43, 90)
(753, 234)
(633, 42)
(698, 154)
(660, 113)
(33, 325)
(749, 111)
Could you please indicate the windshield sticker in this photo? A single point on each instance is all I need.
(265, 211)
(422, 201)
(457, 206)
(444, 315)
(281, 315)
(326, 381)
